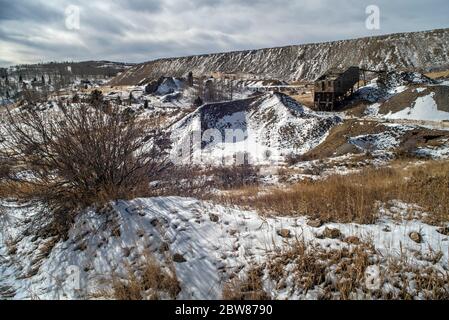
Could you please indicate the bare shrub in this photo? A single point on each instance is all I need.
(188, 181)
(196, 181)
(235, 176)
(78, 157)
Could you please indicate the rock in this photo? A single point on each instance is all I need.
(142, 213)
(386, 229)
(315, 223)
(164, 247)
(444, 231)
(284, 233)
(178, 258)
(416, 237)
(214, 217)
(126, 252)
(352, 240)
(332, 233)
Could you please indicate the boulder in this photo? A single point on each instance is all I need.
(178, 258)
(444, 231)
(352, 240)
(284, 233)
(315, 223)
(416, 237)
(332, 233)
(214, 217)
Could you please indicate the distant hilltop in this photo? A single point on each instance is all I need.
(417, 51)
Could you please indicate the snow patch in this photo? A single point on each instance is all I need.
(424, 108)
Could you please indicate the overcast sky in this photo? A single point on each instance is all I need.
(135, 31)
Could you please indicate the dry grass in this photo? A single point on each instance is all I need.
(149, 282)
(16, 189)
(250, 287)
(342, 273)
(312, 265)
(356, 197)
(438, 74)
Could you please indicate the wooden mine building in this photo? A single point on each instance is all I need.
(334, 86)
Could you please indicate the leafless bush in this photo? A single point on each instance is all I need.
(236, 176)
(79, 157)
(196, 181)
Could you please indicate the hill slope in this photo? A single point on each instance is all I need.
(266, 128)
(422, 51)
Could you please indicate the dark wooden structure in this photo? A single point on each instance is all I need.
(334, 86)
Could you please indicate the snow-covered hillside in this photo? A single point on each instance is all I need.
(266, 128)
(406, 96)
(418, 51)
(208, 244)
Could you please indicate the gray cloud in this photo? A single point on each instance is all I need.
(141, 30)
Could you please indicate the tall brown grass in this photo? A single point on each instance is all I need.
(340, 274)
(248, 287)
(356, 197)
(147, 282)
